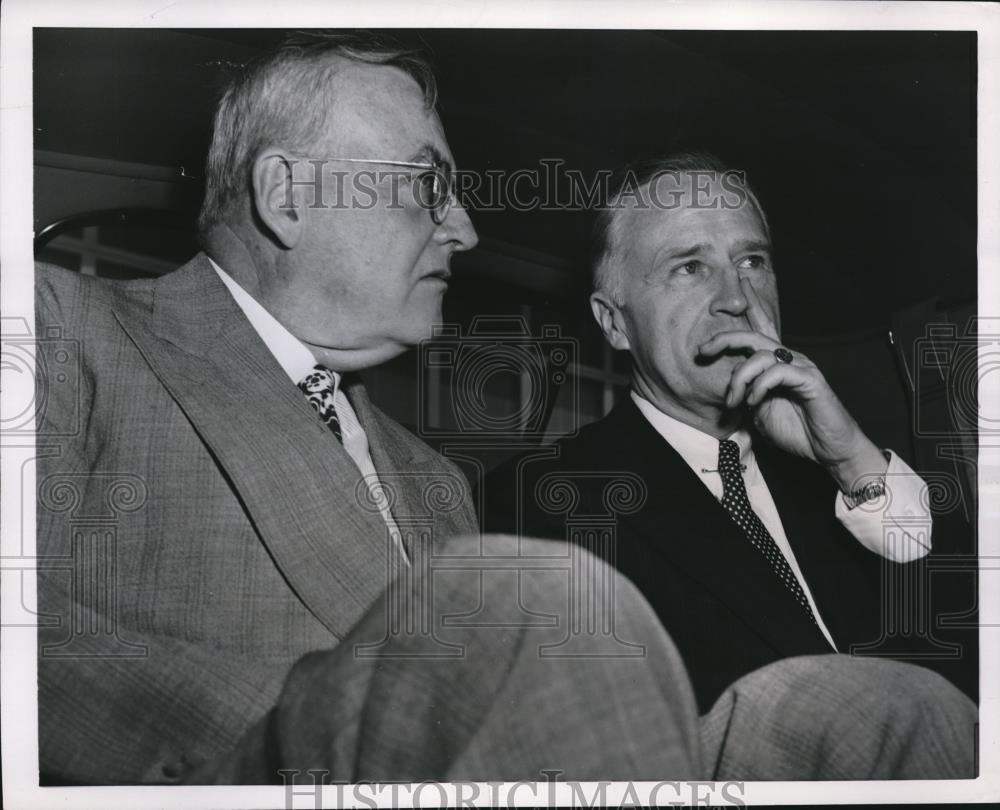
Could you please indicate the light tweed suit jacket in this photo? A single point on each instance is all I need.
(199, 528)
(209, 562)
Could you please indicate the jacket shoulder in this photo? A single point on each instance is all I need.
(508, 492)
(60, 292)
(74, 301)
(568, 453)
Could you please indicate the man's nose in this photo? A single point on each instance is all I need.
(729, 297)
(458, 230)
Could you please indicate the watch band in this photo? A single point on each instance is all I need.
(869, 491)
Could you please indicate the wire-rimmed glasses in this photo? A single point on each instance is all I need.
(436, 182)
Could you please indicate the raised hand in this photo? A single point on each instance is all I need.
(790, 400)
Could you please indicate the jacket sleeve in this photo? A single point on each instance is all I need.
(147, 713)
(114, 705)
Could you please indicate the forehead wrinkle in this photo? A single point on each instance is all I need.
(682, 251)
(752, 244)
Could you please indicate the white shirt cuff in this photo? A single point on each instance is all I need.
(896, 525)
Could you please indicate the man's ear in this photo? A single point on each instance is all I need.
(279, 202)
(609, 317)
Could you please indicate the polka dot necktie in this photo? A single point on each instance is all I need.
(320, 387)
(737, 504)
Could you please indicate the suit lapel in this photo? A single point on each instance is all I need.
(686, 524)
(831, 560)
(427, 494)
(295, 480)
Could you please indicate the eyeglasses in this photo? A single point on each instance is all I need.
(435, 190)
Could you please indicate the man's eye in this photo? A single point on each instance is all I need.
(687, 269)
(753, 262)
(426, 188)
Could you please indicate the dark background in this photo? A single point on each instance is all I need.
(862, 145)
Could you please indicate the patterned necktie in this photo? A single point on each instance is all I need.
(737, 504)
(320, 386)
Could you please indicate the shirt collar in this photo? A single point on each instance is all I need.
(290, 352)
(699, 450)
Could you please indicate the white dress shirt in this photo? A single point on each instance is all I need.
(901, 534)
(297, 361)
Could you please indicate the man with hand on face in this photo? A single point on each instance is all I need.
(264, 603)
(272, 607)
(764, 529)
(271, 523)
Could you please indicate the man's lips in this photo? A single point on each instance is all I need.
(716, 357)
(442, 274)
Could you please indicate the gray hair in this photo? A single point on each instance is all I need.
(276, 99)
(606, 245)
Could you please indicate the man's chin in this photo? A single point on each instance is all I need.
(358, 358)
(715, 385)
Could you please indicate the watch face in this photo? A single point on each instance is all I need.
(869, 492)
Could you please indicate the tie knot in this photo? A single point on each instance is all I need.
(729, 455)
(319, 381)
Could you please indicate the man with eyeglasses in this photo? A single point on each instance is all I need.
(268, 604)
(280, 521)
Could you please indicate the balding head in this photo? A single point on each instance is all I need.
(288, 98)
(682, 254)
(660, 184)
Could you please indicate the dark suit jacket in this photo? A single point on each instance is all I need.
(199, 528)
(721, 603)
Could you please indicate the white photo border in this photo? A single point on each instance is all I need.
(18, 643)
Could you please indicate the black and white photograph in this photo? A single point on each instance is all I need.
(551, 404)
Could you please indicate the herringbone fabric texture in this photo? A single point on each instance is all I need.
(240, 542)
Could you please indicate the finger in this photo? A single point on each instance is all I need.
(780, 375)
(745, 374)
(759, 320)
(743, 340)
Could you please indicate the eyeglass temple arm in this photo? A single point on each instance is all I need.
(408, 164)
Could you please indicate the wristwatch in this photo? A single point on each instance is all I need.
(869, 491)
